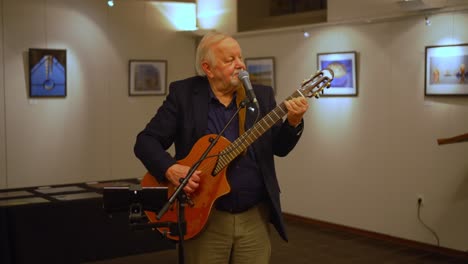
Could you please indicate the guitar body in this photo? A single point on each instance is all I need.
(210, 188)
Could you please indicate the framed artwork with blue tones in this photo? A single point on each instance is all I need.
(446, 70)
(261, 71)
(343, 65)
(147, 77)
(47, 73)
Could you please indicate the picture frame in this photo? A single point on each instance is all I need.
(343, 64)
(147, 77)
(261, 71)
(446, 70)
(47, 72)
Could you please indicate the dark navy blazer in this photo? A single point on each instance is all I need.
(182, 119)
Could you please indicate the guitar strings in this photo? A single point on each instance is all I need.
(233, 144)
(242, 138)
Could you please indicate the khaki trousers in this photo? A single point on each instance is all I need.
(242, 238)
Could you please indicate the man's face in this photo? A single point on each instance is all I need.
(228, 62)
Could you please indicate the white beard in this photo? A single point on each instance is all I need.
(235, 80)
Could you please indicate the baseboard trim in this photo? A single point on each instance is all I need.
(401, 241)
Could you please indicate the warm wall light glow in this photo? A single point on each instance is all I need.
(448, 52)
(448, 41)
(181, 15)
(339, 114)
(210, 13)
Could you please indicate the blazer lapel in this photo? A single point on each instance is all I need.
(200, 108)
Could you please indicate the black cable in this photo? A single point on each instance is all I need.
(426, 226)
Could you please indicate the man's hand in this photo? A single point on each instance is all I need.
(177, 172)
(296, 109)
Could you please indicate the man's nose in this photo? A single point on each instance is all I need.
(240, 64)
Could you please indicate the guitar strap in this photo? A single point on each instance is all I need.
(240, 96)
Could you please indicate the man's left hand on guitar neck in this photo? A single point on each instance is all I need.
(296, 110)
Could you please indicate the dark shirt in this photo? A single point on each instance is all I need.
(243, 174)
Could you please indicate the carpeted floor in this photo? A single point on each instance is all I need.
(310, 244)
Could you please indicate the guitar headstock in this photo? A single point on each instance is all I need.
(317, 83)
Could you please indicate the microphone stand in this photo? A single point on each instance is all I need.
(180, 195)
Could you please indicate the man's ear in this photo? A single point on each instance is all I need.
(207, 69)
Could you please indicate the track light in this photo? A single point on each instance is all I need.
(427, 21)
(110, 3)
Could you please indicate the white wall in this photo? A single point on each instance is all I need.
(362, 161)
(88, 135)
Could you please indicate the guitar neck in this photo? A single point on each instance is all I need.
(252, 134)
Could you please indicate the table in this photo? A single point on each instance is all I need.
(67, 224)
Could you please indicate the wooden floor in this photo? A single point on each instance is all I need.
(310, 244)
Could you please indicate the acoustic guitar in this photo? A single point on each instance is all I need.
(213, 182)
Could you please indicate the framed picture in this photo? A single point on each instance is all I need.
(446, 70)
(262, 71)
(147, 77)
(343, 64)
(47, 73)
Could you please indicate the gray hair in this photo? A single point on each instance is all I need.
(204, 51)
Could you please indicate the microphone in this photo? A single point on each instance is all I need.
(244, 78)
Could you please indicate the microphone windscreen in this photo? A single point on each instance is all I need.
(243, 74)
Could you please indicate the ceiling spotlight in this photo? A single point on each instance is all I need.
(110, 3)
(306, 34)
(427, 21)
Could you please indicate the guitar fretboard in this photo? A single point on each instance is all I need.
(252, 134)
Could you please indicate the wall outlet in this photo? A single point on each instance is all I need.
(420, 199)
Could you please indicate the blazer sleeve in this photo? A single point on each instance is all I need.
(158, 135)
(285, 136)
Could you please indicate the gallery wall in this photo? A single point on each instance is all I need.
(89, 134)
(363, 161)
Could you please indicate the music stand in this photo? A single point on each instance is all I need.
(134, 199)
